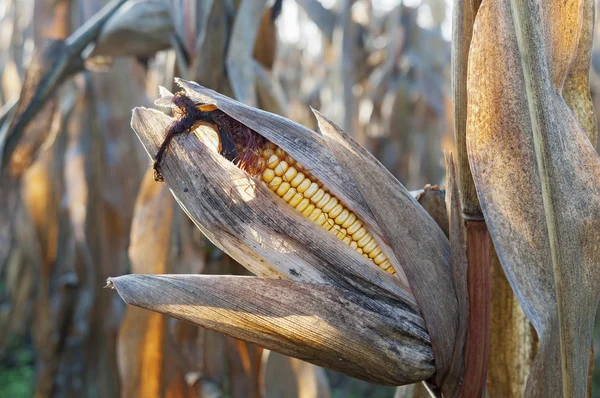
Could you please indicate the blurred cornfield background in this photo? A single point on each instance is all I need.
(79, 204)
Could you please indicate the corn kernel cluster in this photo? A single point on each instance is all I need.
(294, 184)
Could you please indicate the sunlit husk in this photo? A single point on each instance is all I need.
(336, 328)
(243, 217)
(305, 146)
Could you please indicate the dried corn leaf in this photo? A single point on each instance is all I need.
(537, 220)
(307, 321)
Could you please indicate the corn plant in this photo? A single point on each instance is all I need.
(352, 273)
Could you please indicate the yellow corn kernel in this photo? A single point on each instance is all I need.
(296, 199)
(268, 175)
(356, 225)
(283, 188)
(357, 236)
(369, 247)
(328, 207)
(304, 185)
(349, 221)
(380, 259)
(375, 252)
(312, 189)
(281, 168)
(315, 214)
(289, 194)
(290, 175)
(309, 209)
(342, 217)
(275, 183)
(302, 205)
(321, 220)
(329, 224)
(280, 152)
(272, 162)
(353, 244)
(336, 211)
(362, 242)
(317, 196)
(386, 266)
(298, 178)
(324, 200)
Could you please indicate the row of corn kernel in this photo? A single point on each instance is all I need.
(302, 191)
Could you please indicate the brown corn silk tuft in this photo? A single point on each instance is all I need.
(292, 182)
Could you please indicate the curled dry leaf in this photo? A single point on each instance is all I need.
(234, 207)
(321, 324)
(542, 208)
(138, 28)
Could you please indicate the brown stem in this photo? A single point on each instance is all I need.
(478, 254)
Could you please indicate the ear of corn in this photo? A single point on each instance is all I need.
(301, 190)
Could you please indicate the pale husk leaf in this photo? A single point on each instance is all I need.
(502, 155)
(253, 225)
(317, 323)
(419, 244)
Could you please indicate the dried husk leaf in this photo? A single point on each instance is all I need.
(252, 224)
(311, 322)
(419, 244)
(138, 28)
(502, 155)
